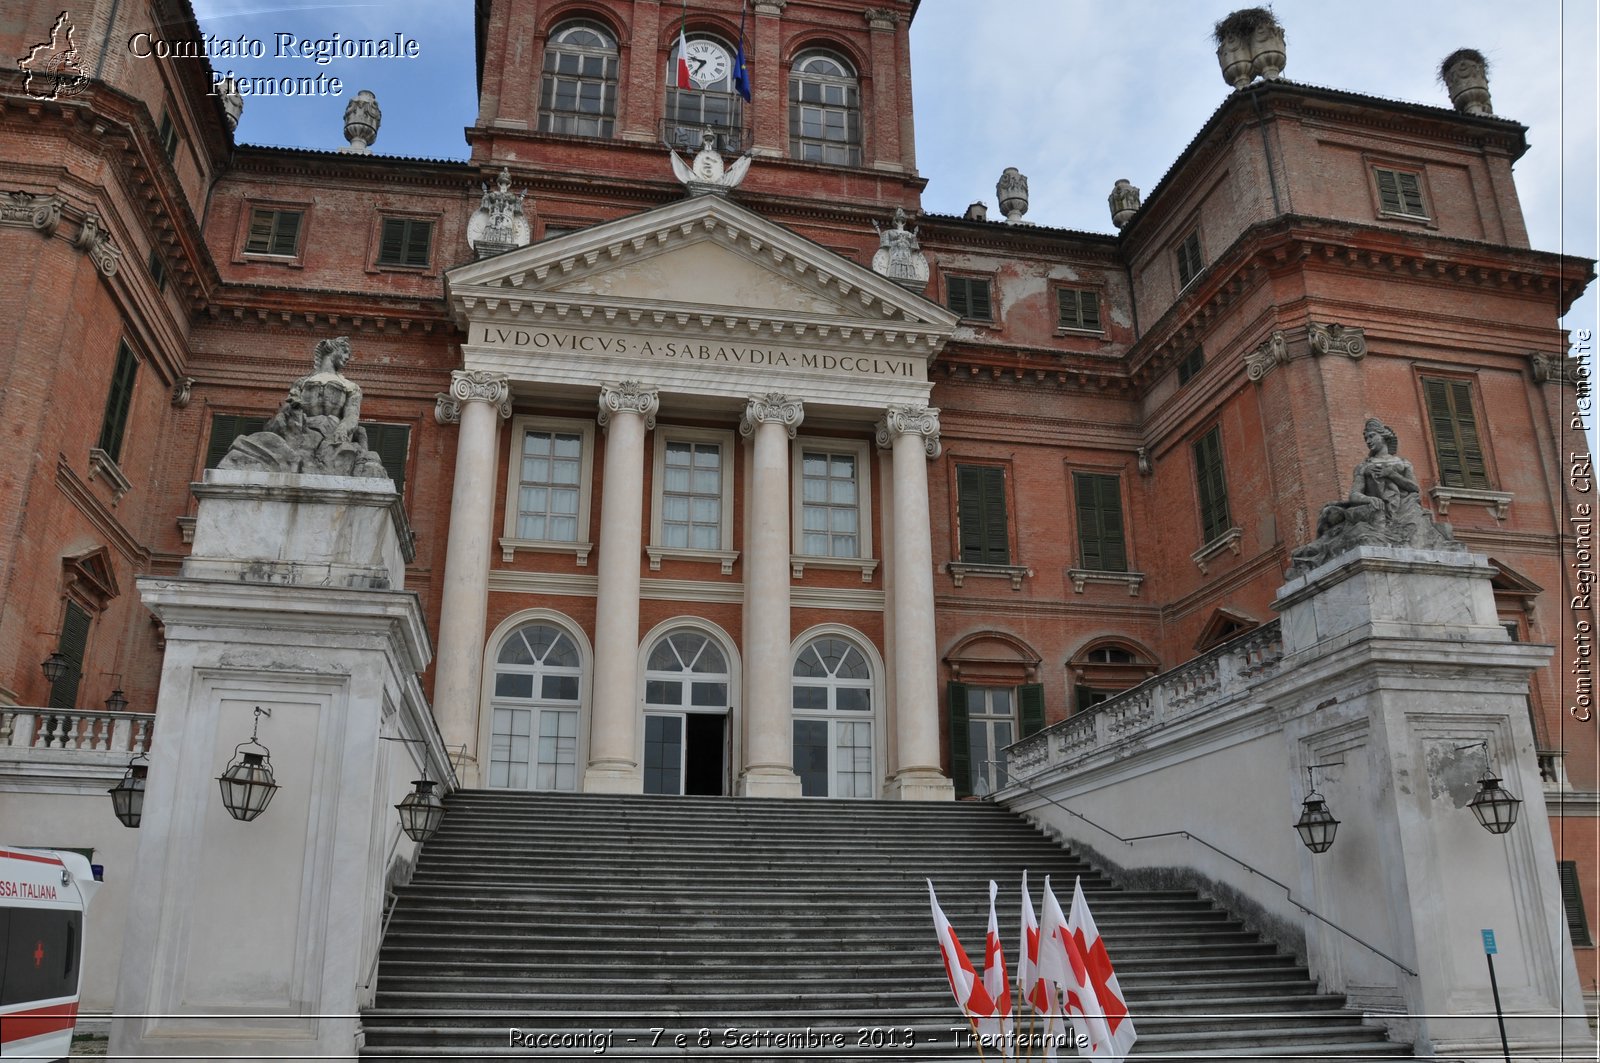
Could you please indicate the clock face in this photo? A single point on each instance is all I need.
(708, 62)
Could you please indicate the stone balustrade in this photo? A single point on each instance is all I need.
(74, 730)
(1215, 679)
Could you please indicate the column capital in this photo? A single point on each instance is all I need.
(472, 385)
(630, 396)
(770, 7)
(772, 408)
(911, 421)
(881, 18)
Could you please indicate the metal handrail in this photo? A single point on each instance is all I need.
(1191, 836)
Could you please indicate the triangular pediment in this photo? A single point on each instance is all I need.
(700, 257)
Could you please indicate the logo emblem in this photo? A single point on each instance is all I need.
(54, 68)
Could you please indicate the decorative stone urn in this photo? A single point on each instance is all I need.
(1233, 55)
(1012, 190)
(361, 120)
(232, 102)
(1465, 73)
(1124, 202)
(1267, 50)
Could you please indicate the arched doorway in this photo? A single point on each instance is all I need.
(834, 719)
(535, 706)
(687, 704)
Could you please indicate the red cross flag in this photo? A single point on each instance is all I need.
(996, 984)
(1061, 962)
(1112, 1003)
(1038, 991)
(970, 994)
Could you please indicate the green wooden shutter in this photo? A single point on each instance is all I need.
(960, 741)
(959, 303)
(74, 642)
(391, 249)
(259, 242)
(390, 442)
(1410, 191)
(1455, 433)
(1572, 902)
(1089, 309)
(286, 232)
(418, 238)
(969, 512)
(1388, 191)
(1100, 531)
(225, 428)
(118, 401)
(1030, 707)
(979, 298)
(1213, 488)
(1088, 521)
(996, 542)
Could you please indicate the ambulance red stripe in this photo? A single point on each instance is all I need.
(36, 1022)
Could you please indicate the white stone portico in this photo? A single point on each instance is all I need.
(698, 310)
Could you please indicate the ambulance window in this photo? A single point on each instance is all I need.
(41, 954)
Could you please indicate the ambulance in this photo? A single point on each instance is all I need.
(43, 895)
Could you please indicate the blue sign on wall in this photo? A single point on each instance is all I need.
(1488, 942)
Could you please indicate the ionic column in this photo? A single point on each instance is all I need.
(477, 401)
(912, 432)
(769, 748)
(627, 412)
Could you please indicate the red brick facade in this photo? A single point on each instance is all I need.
(1280, 187)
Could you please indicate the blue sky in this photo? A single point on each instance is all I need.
(1075, 94)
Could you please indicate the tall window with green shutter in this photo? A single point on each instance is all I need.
(1077, 308)
(1572, 904)
(981, 514)
(405, 242)
(1211, 485)
(983, 721)
(1456, 441)
(1189, 264)
(1399, 192)
(969, 297)
(73, 645)
(1101, 544)
(118, 401)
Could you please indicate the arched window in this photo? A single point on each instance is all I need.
(711, 102)
(833, 719)
(579, 93)
(686, 686)
(533, 742)
(824, 110)
(1105, 668)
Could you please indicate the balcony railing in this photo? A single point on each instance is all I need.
(684, 136)
(76, 730)
(1213, 678)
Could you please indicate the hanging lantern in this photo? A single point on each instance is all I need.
(1316, 824)
(247, 783)
(55, 666)
(421, 811)
(1494, 805)
(116, 701)
(127, 797)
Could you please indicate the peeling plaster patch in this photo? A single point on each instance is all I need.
(1453, 772)
(1117, 316)
(1025, 286)
(1065, 273)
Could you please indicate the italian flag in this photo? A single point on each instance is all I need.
(683, 61)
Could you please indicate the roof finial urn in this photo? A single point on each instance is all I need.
(1124, 201)
(1250, 44)
(1465, 73)
(1012, 190)
(232, 101)
(361, 120)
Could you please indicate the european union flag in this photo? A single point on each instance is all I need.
(741, 73)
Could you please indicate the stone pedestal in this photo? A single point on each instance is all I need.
(258, 940)
(1399, 678)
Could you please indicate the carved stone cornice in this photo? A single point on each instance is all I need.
(1337, 339)
(96, 242)
(772, 408)
(1557, 369)
(1273, 351)
(881, 18)
(472, 385)
(910, 420)
(25, 208)
(630, 396)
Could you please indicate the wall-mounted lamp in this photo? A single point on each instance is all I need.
(247, 783)
(1494, 805)
(421, 811)
(116, 701)
(1316, 825)
(54, 666)
(127, 797)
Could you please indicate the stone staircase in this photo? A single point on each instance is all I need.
(602, 926)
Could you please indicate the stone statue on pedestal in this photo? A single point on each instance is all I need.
(899, 256)
(500, 223)
(317, 429)
(1384, 509)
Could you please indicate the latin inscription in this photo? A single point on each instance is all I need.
(695, 351)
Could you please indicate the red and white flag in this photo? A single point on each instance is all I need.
(968, 988)
(1036, 991)
(1104, 980)
(997, 1028)
(682, 74)
(1061, 962)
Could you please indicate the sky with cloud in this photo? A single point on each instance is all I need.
(1075, 94)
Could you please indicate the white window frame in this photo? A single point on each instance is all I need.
(486, 695)
(877, 717)
(735, 712)
(726, 555)
(509, 542)
(799, 560)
